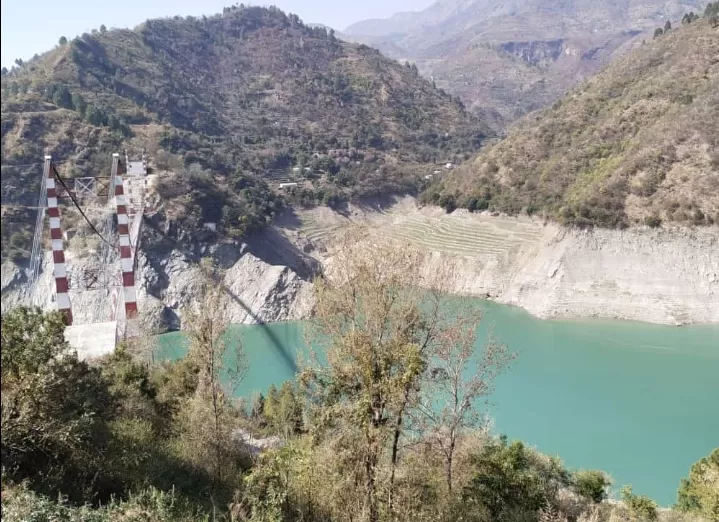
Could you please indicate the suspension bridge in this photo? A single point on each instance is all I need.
(100, 285)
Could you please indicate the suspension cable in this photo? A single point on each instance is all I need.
(77, 205)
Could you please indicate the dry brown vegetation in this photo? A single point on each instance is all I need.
(636, 144)
(249, 96)
(395, 348)
(505, 59)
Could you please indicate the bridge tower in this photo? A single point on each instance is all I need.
(126, 253)
(109, 277)
(62, 296)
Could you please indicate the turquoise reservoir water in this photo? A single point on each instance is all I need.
(637, 400)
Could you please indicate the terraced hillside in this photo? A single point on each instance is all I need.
(666, 275)
(453, 234)
(480, 242)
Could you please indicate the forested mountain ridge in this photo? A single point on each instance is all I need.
(509, 58)
(251, 92)
(638, 143)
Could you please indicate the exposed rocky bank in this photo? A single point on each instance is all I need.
(667, 276)
(657, 276)
(266, 278)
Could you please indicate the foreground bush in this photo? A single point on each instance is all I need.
(118, 441)
(699, 493)
(55, 409)
(20, 504)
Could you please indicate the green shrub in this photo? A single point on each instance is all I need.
(448, 202)
(55, 410)
(591, 484)
(20, 504)
(653, 221)
(476, 204)
(641, 508)
(698, 217)
(510, 480)
(699, 492)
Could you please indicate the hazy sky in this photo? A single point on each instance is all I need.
(34, 26)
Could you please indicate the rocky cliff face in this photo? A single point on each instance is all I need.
(538, 53)
(267, 279)
(667, 276)
(659, 276)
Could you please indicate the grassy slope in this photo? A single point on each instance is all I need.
(640, 141)
(252, 90)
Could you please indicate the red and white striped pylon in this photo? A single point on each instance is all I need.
(123, 229)
(58, 253)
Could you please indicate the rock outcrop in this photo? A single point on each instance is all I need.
(663, 275)
(660, 276)
(266, 278)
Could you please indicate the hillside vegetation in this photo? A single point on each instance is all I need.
(388, 427)
(505, 59)
(638, 143)
(248, 95)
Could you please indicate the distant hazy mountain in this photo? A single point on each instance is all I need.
(510, 57)
(638, 143)
(407, 22)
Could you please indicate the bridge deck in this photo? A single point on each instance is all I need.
(92, 340)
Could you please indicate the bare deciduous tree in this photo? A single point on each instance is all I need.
(460, 376)
(218, 360)
(381, 317)
(370, 319)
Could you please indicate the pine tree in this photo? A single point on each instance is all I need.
(62, 97)
(78, 103)
(271, 404)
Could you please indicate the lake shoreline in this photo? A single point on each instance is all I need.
(666, 276)
(600, 394)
